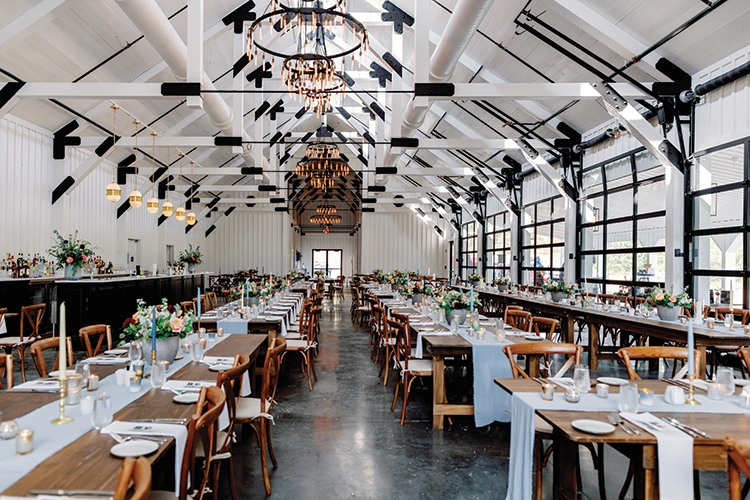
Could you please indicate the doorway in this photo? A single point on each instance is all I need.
(134, 251)
(328, 261)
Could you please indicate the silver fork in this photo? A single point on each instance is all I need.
(630, 426)
(615, 421)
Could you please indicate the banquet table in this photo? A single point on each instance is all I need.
(86, 463)
(642, 450)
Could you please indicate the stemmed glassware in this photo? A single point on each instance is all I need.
(135, 352)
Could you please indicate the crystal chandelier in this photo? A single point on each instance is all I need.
(309, 71)
(322, 164)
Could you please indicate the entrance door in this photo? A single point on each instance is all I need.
(134, 261)
(328, 261)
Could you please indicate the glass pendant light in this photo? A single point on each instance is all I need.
(152, 205)
(136, 198)
(191, 219)
(113, 189)
(179, 214)
(167, 208)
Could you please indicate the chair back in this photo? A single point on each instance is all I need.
(37, 354)
(211, 301)
(403, 319)
(137, 470)
(627, 354)
(203, 304)
(403, 341)
(606, 298)
(312, 326)
(33, 316)
(187, 306)
(6, 363)
(573, 352)
(518, 319)
(377, 317)
(271, 373)
(738, 453)
(739, 314)
(510, 308)
(231, 381)
(102, 331)
(546, 327)
(744, 354)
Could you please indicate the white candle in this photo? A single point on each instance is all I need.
(691, 350)
(63, 347)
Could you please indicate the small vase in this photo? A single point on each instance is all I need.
(72, 275)
(166, 349)
(191, 268)
(558, 296)
(461, 316)
(417, 298)
(254, 301)
(502, 288)
(668, 313)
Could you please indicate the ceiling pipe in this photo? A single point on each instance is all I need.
(463, 23)
(153, 24)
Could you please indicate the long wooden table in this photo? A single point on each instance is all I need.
(661, 331)
(86, 464)
(708, 454)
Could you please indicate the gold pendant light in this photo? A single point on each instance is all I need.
(167, 208)
(113, 189)
(191, 219)
(136, 198)
(179, 214)
(152, 205)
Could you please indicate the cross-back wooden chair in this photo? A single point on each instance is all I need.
(306, 347)
(101, 332)
(510, 308)
(738, 457)
(628, 354)
(299, 331)
(6, 365)
(37, 354)
(211, 301)
(518, 319)
(546, 327)
(572, 351)
(256, 411)
(376, 325)
(372, 303)
(740, 315)
(338, 287)
(187, 306)
(231, 382)
(31, 320)
(362, 312)
(386, 343)
(203, 304)
(606, 298)
(137, 471)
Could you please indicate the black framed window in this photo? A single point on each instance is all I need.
(469, 249)
(497, 256)
(542, 229)
(717, 218)
(621, 224)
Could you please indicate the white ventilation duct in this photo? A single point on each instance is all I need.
(156, 28)
(461, 27)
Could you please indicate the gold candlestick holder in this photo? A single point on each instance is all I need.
(62, 419)
(153, 362)
(691, 399)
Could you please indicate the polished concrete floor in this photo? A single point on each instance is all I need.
(342, 441)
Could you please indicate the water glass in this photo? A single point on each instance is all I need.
(158, 375)
(629, 398)
(84, 369)
(581, 378)
(102, 415)
(135, 352)
(725, 377)
(196, 350)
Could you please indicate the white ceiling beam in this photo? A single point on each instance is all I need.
(491, 144)
(59, 90)
(28, 18)
(161, 142)
(195, 49)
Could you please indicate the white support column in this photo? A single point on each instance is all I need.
(515, 252)
(195, 49)
(675, 222)
(238, 99)
(571, 237)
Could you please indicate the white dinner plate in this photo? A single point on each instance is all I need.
(186, 399)
(220, 367)
(593, 426)
(532, 337)
(613, 380)
(54, 374)
(741, 382)
(134, 448)
(116, 352)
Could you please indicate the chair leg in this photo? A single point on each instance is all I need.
(215, 471)
(263, 460)
(407, 388)
(538, 459)
(312, 367)
(232, 484)
(626, 484)
(395, 396)
(308, 361)
(386, 363)
(21, 358)
(270, 447)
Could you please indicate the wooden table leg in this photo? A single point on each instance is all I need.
(565, 474)
(569, 330)
(593, 346)
(532, 365)
(645, 485)
(438, 389)
(702, 368)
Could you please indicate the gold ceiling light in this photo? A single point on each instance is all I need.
(191, 219)
(325, 220)
(326, 209)
(167, 208)
(136, 198)
(322, 164)
(113, 189)
(152, 205)
(179, 214)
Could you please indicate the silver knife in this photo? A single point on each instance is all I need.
(70, 493)
(697, 431)
(159, 420)
(679, 426)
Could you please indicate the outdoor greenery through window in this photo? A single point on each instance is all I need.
(497, 256)
(622, 217)
(469, 255)
(542, 230)
(718, 201)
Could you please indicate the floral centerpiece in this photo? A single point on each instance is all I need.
(558, 289)
(247, 273)
(668, 303)
(457, 301)
(293, 275)
(171, 326)
(412, 274)
(278, 283)
(320, 274)
(503, 283)
(191, 258)
(418, 290)
(474, 278)
(71, 254)
(378, 275)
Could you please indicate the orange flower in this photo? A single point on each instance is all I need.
(69, 260)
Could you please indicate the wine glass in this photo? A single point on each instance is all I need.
(135, 352)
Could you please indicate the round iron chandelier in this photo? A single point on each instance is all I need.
(322, 164)
(326, 209)
(325, 220)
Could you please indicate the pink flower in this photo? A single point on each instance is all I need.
(673, 299)
(69, 260)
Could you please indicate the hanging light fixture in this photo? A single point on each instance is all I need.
(322, 164)
(152, 205)
(179, 214)
(191, 219)
(136, 198)
(325, 220)
(326, 209)
(113, 189)
(167, 208)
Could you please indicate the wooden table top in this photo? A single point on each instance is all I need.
(86, 464)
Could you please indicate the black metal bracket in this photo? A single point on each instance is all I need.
(397, 16)
(259, 74)
(240, 64)
(180, 89)
(380, 73)
(261, 110)
(222, 140)
(393, 63)
(277, 108)
(238, 16)
(61, 139)
(375, 107)
(434, 89)
(404, 142)
(674, 155)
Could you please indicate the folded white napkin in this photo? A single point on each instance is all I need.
(178, 432)
(46, 385)
(675, 455)
(107, 360)
(187, 385)
(420, 349)
(212, 360)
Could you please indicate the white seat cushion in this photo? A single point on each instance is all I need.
(220, 439)
(161, 495)
(15, 341)
(418, 365)
(293, 336)
(541, 425)
(296, 344)
(248, 408)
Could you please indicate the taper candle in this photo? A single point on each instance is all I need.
(691, 349)
(199, 302)
(63, 345)
(153, 329)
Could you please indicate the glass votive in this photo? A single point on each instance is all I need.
(202, 331)
(602, 390)
(744, 401)
(203, 342)
(73, 392)
(8, 429)
(646, 397)
(715, 391)
(165, 363)
(186, 345)
(710, 322)
(24, 442)
(220, 332)
(135, 384)
(481, 333)
(87, 405)
(92, 383)
(211, 336)
(682, 319)
(83, 368)
(548, 392)
(138, 368)
(572, 395)
(747, 329)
